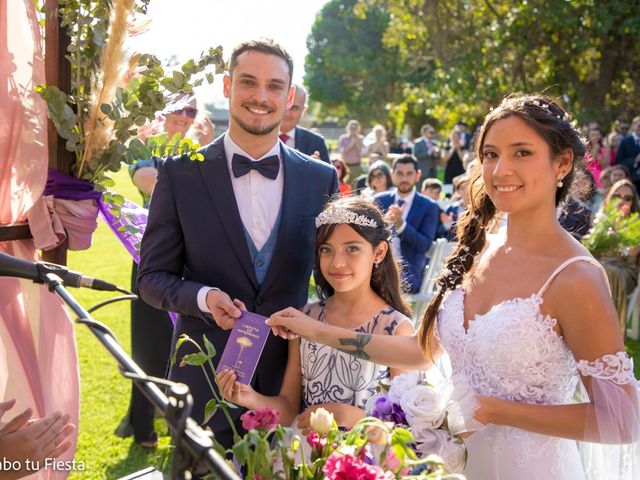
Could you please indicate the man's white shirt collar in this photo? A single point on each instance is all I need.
(408, 199)
(231, 147)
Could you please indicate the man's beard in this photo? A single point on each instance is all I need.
(406, 188)
(255, 131)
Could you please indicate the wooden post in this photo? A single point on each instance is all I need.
(58, 73)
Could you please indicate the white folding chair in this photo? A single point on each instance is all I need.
(633, 314)
(440, 249)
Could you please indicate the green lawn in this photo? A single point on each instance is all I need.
(105, 394)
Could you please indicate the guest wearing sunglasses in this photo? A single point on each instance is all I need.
(622, 270)
(179, 117)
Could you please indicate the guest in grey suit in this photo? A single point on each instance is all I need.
(237, 229)
(301, 139)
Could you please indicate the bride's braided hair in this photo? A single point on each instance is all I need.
(553, 124)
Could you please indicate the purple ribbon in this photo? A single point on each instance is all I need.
(128, 227)
(67, 187)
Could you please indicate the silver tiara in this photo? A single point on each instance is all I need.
(339, 215)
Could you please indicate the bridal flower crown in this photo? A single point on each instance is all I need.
(337, 215)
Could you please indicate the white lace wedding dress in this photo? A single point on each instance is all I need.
(513, 352)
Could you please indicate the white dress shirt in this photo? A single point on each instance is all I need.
(407, 206)
(258, 199)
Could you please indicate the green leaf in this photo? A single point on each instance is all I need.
(189, 67)
(402, 435)
(169, 85)
(195, 359)
(241, 451)
(181, 339)
(209, 410)
(211, 349)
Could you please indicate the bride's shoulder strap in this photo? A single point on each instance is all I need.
(565, 264)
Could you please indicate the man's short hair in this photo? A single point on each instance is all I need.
(300, 88)
(432, 184)
(264, 45)
(406, 159)
(425, 127)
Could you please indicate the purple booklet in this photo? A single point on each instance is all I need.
(244, 347)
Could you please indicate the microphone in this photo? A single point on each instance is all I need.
(37, 271)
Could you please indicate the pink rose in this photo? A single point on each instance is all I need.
(317, 443)
(262, 419)
(348, 467)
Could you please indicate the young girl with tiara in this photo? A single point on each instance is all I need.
(359, 286)
(525, 316)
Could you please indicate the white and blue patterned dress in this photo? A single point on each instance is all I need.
(331, 376)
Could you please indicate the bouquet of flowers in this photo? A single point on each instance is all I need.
(374, 449)
(430, 411)
(269, 451)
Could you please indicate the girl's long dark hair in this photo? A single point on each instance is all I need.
(385, 278)
(553, 124)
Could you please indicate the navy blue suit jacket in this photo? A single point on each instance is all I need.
(626, 155)
(416, 238)
(308, 142)
(195, 238)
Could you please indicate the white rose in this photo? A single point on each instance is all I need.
(454, 455)
(400, 384)
(423, 405)
(321, 421)
(430, 441)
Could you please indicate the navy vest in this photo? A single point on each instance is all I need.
(262, 259)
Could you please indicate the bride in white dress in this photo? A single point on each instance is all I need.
(524, 315)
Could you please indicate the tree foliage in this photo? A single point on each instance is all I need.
(348, 69)
(457, 59)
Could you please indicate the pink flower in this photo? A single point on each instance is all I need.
(262, 419)
(392, 462)
(317, 443)
(348, 467)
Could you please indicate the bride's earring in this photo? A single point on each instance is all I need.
(560, 182)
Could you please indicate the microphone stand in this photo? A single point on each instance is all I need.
(194, 445)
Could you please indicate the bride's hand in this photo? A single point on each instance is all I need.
(291, 323)
(488, 408)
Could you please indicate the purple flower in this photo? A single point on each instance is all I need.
(383, 407)
(397, 415)
(388, 411)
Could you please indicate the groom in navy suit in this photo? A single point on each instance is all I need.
(301, 139)
(415, 217)
(237, 229)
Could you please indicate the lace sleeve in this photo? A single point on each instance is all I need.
(612, 426)
(616, 367)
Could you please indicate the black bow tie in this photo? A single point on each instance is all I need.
(267, 167)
